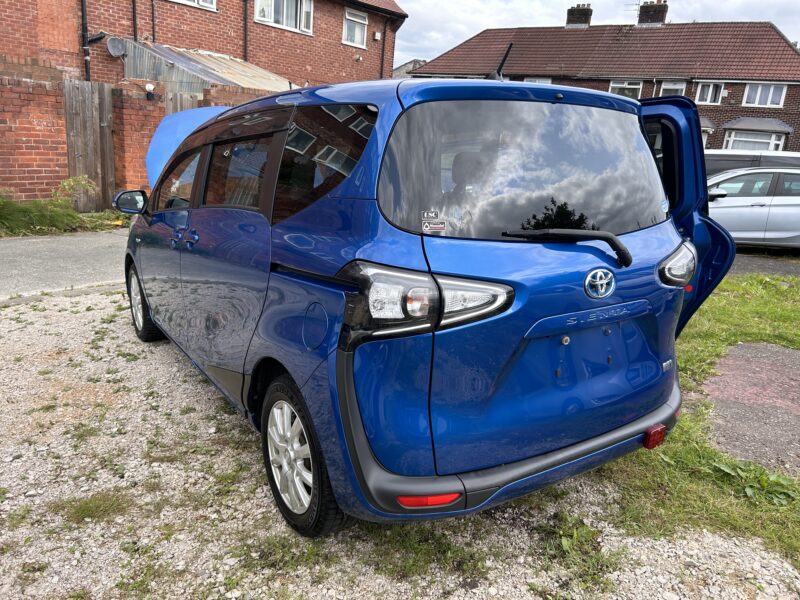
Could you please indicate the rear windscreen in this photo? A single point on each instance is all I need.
(473, 169)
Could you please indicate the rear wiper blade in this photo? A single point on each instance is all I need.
(575, 235)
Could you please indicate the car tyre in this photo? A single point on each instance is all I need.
(146, 330)
(294, 463)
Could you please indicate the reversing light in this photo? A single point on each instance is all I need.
(427, 501)
(679, 268)
(466, 300)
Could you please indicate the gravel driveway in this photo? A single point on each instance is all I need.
(124, 474)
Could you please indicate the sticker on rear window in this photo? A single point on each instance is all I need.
(430, 215)
(432, 226)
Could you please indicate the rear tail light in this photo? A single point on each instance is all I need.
(655, 436)
(679, 268)
(427, 501)
(392, 301)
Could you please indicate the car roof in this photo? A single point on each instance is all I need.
(749, 170)
(411, 91)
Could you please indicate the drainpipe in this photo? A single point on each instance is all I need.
(383, 47)
(135, 25)
(244, 26)
(87, 56)
(153, 15)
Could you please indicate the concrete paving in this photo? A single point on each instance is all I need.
(756, 396)
(57, 262)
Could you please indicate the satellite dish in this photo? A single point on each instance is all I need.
(116, 46)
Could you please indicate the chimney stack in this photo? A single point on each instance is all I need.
(653, 13)
(579, 15)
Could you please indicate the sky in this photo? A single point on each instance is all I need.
(435, 26)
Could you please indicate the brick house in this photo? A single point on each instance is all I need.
(234, 50)
(744, 76)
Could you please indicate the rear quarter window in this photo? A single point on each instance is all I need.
(473, 169)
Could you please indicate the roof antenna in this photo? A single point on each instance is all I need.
(497, 75)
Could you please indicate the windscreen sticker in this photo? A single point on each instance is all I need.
(430, 215)
(433, 226)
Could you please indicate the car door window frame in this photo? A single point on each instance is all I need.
(778, 185)
(268, 179)
(174, 163)
(771, 190)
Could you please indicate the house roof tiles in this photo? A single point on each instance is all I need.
(731, 50)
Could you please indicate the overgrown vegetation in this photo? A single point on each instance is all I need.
(573, 545)
(689, 483)
(56, 214)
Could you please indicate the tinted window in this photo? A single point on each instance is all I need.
(755, 184)
(474, 169)
(322, 149)
(236, 172)
(176, 188)
(790, 186)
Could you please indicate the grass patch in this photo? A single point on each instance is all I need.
(55, 215)
(573, 545)
(280, 553)
(80, 432)
(403, 551)
(18, 516)
(97, 507)
(689, 483)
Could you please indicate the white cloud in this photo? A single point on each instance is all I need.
(434, 27)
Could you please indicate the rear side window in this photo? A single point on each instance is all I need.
(323, 146)
(790, 186)
(473, 169)
(176, 188)
(755, 184)
(236, 173)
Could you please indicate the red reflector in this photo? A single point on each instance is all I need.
(422, 501)
(654, 436)
(689, 289)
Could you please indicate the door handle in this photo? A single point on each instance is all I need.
(758, 204)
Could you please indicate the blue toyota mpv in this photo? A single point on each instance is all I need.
(432, 296)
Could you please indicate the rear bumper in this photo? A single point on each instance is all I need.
(379, 488)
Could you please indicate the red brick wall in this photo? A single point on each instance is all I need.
(33, 152)
(223, 95)
(135, 121)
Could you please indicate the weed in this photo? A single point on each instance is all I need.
(18, 516)
(572, 544)
(44, 372)
(403, 551)
(187, 410)
(80, 432)
(97, 507)
(18, 359)
(3, 494)
(281, 553)
(128, 356)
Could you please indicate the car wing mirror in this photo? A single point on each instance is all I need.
(716, 193)
(131, 202)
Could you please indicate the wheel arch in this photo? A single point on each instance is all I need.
(267, 370)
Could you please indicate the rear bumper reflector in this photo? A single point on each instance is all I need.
(654, 436)
(426, 501)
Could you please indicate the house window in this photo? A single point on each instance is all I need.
(362, 127)
(764, 94)
(631, 89)
(355, 28)
(709, 93)
(299, 140)
(673, 88)
(336, 160)
(706, 133)
(544, 80)
(753, 140)
(297, 15)
(341, 112)
(207, 4)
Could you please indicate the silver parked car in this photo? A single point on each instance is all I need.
(759, 207)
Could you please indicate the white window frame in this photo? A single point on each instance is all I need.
(326, 156)
(542, 80)
(269, 19)
(626, 84)
(706, 133)
(355, 16)
(330, 108)
(298, 149)
(674, 85)
(359, 124)
(700, 85)
(776, 141)
(204, 4)
(759, 92)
